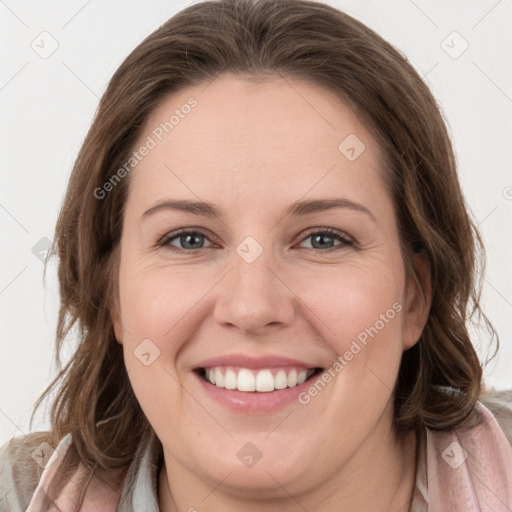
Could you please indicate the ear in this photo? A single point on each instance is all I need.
(418, 299)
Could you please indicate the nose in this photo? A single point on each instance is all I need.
(254, 297)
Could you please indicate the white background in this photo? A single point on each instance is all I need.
(47, 106)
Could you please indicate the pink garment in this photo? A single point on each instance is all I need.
(98, 498)
(466, 471)
(470, 471)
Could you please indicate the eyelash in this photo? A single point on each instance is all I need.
(346, 242)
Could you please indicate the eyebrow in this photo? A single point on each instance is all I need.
(296, 209)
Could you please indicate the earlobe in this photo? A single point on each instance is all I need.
(418, 299)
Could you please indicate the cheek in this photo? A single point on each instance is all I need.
(358, 309)
(360, 316)
(161, 312)
(155, 299)
(150, 308)
(346, 303)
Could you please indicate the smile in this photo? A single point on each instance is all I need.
(265, 380)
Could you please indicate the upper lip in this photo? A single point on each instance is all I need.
(246, 361)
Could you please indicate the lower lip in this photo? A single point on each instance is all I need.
(257, 402)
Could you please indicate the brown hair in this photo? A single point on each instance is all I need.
(440, 377)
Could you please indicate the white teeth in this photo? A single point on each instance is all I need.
(230, 379)
(263, 381)
(281, 382)
(219, 378)
(245, 381)
(292, 379)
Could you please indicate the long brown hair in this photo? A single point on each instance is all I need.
(440, 377)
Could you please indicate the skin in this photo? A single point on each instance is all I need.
(252, 149)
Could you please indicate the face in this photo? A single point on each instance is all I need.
(257, 292)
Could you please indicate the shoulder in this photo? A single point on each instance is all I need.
(499, 403)
(35, 473)
(470, 464)
(22, 462)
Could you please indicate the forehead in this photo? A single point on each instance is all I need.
(276, 134)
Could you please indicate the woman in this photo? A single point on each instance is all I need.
(311, 352)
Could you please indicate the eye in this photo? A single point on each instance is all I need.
(189, 241)
(324, 238)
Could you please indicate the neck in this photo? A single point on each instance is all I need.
(380, 476)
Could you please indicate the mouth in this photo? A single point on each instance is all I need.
(252, 380)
